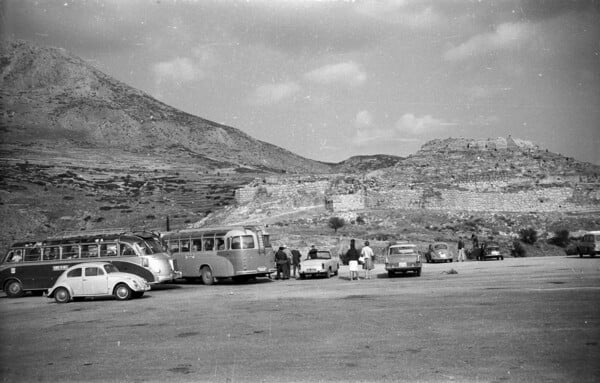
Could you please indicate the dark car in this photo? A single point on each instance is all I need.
(488, 250)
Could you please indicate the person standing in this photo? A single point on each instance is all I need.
(367, 255)
(352, 257)
(475, 241)
(295, 262)
(461, 250)
(288, 265)
(312, 253)
(281, 260)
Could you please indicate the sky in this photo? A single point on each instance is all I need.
(333, 79)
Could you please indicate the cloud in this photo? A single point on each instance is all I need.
(410, 124)
(410, 14)
(180, 69)
(506, 36)
(273, 93)
(346, 73)
(363, 119)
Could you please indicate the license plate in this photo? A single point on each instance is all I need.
(311, 270)
(262, 269)
(402, 264)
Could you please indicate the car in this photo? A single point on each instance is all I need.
(403, 258)
(488, 250)
(319, 263)
(439, 252)
(94, 279)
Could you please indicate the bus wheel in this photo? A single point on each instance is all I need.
(207, 276)
(122, 292)
(14, 289)
(61, 295)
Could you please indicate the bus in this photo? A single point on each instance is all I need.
(240, 253)
(35, 265)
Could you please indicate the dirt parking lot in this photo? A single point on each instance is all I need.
(527, 319)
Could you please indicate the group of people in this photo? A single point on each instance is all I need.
(461, 247)
(364, 257)
(284, 258)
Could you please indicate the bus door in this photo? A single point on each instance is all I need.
(186, 259)
(31, 275)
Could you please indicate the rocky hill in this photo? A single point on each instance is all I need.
(49, 96)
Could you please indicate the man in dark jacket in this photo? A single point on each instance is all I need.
(281, 261)
(295, 262)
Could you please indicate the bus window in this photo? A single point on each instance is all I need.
(236, 243)
(108, 250)
(70, 251)
(74, 273)
(174, 245)
(247, 242)
(220, 243)
(14, 256)
(89, 251)
(196, 244)
(51, 253)
(127, 250)
(208, 244)
(184, 245)
(32, 254)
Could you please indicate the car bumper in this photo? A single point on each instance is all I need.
(168, 278)
(399, 267)
(258, 271)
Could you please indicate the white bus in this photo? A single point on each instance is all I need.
(241, 253)
(35, 265)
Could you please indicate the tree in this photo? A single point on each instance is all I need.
(528, 235)
(336, 222)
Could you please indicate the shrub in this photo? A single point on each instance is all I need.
(528, 235)
(561, 238)
(518, 249)
(336, 222)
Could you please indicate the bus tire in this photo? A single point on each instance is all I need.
(61, 295)
(122, 292)
(14, 289)
(207, 275)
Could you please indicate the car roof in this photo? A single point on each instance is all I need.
(403, 245)
(90, 264)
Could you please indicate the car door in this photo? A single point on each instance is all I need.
(75, 280)
(95, 281)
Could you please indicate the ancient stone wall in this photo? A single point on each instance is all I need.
(470, 196)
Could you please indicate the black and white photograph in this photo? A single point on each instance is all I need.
(300, 191)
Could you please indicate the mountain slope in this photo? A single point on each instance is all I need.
(50, 95)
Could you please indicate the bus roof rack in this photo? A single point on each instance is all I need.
(86, 233)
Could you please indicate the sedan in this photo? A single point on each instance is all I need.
(94, 279)
(438, 252)
(319, 263)
(403, 258)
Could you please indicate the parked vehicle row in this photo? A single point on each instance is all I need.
(125, 264)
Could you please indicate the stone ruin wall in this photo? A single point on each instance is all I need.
(470, 196)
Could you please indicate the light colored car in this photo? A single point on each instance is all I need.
(94, 279)
(439, 252)
(319, 263)
(403, 258)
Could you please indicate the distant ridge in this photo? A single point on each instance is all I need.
(50, 95)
